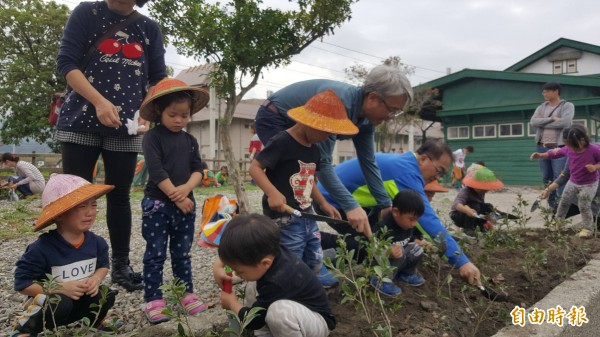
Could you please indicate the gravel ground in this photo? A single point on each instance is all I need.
(129, 305)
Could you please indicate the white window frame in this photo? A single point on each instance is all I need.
(457, 132)
(571, 62)
(484, 126)
(510, 127)
(557, 67)
(593, 123)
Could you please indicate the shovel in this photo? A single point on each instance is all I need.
(312, 216)
(493, 295)
(536, 204)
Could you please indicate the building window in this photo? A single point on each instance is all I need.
(484, 131)
(458, 132)
(580, 122)
(571, 66)
(511, 130)
(557, 67)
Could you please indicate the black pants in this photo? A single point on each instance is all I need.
(119, 168)
(68, 311)
(469, 223)
(329, 240)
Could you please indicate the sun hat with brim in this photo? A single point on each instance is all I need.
(435, 186)
(326, 112)
(64, 192)
(150, 112)
(483, 179)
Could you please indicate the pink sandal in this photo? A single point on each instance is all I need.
(192, 304)
(154, 310)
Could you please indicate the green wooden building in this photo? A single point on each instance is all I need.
(490, 110)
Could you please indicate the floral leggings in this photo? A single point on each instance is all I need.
(578, 194)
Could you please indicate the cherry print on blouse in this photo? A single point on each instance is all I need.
(131, 50)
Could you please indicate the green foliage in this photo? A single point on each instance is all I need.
(31, 32)
(174, 292)
(356, 288)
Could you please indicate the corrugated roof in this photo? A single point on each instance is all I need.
(196, 75)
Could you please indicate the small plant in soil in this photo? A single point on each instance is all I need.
(356, 287)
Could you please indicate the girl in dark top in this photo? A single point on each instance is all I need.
(168, 207)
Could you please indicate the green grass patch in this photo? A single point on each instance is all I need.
(16, 219)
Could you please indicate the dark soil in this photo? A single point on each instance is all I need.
(440, 308)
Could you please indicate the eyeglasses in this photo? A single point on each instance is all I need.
(439, 172)
(394, 112)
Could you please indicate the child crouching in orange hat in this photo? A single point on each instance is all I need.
(285, 171)
(469, 206)
(74, 256)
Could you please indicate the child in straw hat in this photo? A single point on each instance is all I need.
(168, 206)
(285, 171)
(469, 205)
(74, 256)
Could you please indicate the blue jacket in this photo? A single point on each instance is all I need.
(398, 171)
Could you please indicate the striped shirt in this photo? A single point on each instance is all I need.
(32, 176)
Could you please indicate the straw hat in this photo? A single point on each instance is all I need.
(326, 112)
(435, 186)
(483, 179)
(166, 86)
(62, 193)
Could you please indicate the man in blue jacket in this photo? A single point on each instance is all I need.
(407, 171)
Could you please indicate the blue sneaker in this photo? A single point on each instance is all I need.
(414, 280)
(386, 288)
(327, 280)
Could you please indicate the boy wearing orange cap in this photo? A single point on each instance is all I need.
(469, 204)
(74, 256)
(285, 171)
(168, 208)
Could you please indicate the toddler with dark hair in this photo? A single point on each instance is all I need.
(406, 252)
(279, 282)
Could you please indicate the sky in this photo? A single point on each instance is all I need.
(434, 36)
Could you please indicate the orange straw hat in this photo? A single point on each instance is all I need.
(324, 111)
(483, 179)
(435, 186)
(62, 193)
(166, 86)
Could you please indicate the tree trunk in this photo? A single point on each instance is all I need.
(235, 173)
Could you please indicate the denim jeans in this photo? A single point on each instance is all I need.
(162, 223)
(551, 169)
(303, 238)
(24, 189)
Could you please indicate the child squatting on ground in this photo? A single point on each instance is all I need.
(76, 257)
(294, 302)
(405, 252)
(469, 208)
(285, 171)
(584, 162)
(168, 206)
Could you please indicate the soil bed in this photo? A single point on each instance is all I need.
(525, 264)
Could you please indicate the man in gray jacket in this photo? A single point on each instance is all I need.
(550, 118)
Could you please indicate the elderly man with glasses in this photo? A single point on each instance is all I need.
(383, 95)
(410, 170)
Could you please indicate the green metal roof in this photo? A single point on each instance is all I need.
(513, 107)
(464, 74)
(562, 42)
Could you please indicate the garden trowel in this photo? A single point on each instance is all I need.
(493, 295)
(536, 204)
